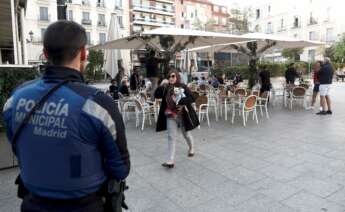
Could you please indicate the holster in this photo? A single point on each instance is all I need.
(21, 190)
(114, 196)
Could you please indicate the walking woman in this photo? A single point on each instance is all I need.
(176, 114)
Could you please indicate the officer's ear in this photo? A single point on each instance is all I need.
(83, 54)
(45, 53)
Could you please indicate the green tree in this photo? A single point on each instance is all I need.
(210, 25)
(197, 24)
(95, 65)
(238, 21)
(339, 50)
(292, 54)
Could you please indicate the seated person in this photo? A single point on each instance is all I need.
(124, 89)
(114, 89)
(237, 79)
(202, 81)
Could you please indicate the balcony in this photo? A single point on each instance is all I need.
(85, 3)
(86, 21)
(101, 24)
(43, 18)
(100, 4)
(296, 26)
(312, 21)
(152, 22)
(282, 29)
(152, 9)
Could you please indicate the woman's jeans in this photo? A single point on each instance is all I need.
(173, 126)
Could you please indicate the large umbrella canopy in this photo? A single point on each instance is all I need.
(170, 39)
(112, 56)
(264, 42)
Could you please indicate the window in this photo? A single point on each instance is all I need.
(257, 14)
(196, 13)
(312, 35)
(182, 26)
(269, 8)
(296, 22)
(102, 38)
(88, 38)
(70, 15)
(257, 28)
(282, 24)
(311, 55)
(43, 31)
(312, 20)
(44, 14)
(181, 1)
(118, 4)
(329, 35)
(328, 14)
(182, 14)
(101, 20)
(269, 28)
(100, 3)
(295, 35)
(120, 21)
(86, 16)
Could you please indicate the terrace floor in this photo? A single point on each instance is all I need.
(294, 161)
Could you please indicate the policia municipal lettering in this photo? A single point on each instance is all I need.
(70, 141)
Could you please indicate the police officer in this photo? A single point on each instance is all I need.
(75, 142)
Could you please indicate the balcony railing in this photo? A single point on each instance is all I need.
(101, 24)
(101, 4)
(86, 21)
(154, 21)
(312, 21)
(44, 18)
(152, 8)
(85, 3)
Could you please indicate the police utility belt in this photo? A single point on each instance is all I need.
(112, 192)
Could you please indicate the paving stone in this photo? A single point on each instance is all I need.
(305, 202)
(262, 203)
(243, 176)
(315, 186)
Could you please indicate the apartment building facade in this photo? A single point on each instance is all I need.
(93, 15)
(150, 14)
(315, 20)
(201, 14)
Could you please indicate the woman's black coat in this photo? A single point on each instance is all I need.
(189, 116)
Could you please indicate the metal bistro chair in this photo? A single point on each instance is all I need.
(201, 106)
(298, 94)
(262, 102)
(145, 110)
(248, 105)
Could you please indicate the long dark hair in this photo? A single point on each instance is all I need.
(178, 76)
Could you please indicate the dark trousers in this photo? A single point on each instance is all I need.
(36, 204)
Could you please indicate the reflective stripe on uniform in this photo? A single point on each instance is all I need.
(95, 110)
(8, 104)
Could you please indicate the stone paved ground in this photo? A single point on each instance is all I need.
(294, 161)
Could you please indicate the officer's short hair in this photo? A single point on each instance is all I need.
(63, 40)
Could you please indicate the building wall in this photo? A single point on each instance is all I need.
(149, 14)
(35, 25)
(193, 14)
(317, 20)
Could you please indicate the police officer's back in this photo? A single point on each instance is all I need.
(75, 141)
